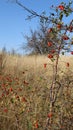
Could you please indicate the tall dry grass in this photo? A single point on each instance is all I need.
(35, 81)
(33, 66)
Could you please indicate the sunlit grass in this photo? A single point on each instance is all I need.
(24, 92)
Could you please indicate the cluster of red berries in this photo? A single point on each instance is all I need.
(50, 44)
(50, 115)
(65, 37)
(61, 7)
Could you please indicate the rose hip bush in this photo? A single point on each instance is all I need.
(63, 43)
(23, 106)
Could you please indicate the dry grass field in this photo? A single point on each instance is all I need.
(24, 92)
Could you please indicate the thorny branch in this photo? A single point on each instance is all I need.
(33, 13)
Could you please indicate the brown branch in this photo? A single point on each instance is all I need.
(56, 94)
(33, 13)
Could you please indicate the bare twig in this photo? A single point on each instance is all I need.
(33, 13)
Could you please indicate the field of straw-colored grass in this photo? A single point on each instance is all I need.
(24, 92)
(33, 67)
(34, 63)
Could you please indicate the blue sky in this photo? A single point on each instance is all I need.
(13, 23)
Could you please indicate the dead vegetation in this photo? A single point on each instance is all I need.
(24, 93)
